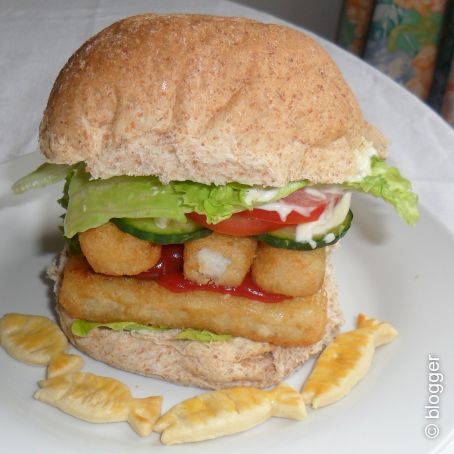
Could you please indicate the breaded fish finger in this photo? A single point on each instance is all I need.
(221, 259)
(90, 296)
(116, 253)
(292, 273)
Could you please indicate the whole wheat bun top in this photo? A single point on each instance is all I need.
(208, 99)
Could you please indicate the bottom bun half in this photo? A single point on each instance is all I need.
(211, 365)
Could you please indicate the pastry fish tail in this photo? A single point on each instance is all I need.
(287, 402)
(143, 414)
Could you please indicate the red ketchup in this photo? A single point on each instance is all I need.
(171, 261)
(176, 282)
(168, 272)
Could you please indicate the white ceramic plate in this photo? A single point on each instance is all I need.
(384, 269)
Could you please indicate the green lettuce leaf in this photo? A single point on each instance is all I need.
(220, 202)
(82, 328)
(64, 199)
(44, 175)
(387, 183)
(94, 202)
(91, 203)
(201, 336)
(72, 243)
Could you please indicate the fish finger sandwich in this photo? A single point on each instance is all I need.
(209, 165)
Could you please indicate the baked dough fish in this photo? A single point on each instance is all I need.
(345, 361)
(99, 399)
(32, 339)
(64, 364)
(227, 411)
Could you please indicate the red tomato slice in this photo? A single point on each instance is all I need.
(237, 225)
(258, 221)
(292, 218)
(312, 206)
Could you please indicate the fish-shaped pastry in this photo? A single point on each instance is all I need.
(99, 399)
(64, 364)
(227, 411)
(32, 339)
(345, 361)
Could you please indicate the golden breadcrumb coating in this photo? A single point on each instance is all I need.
(87, 295)
(292, 273)
(221, 259)
(116, 253)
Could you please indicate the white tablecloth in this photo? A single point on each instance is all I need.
(37, 37)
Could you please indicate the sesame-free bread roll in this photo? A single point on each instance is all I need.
(207, 99)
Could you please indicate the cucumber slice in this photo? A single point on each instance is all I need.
(285, 238)
(150, 229)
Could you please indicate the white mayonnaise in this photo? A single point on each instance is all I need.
(260, 195)
(328, 238)
(363, 162)
(332, 216)
(315, 193)
(162, 223)
(284, 209)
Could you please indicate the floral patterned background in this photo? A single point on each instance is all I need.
(411, 41)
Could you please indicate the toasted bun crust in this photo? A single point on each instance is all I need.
(208, 99)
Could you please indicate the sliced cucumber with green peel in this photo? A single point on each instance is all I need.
(286, 238)
(155, 231)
